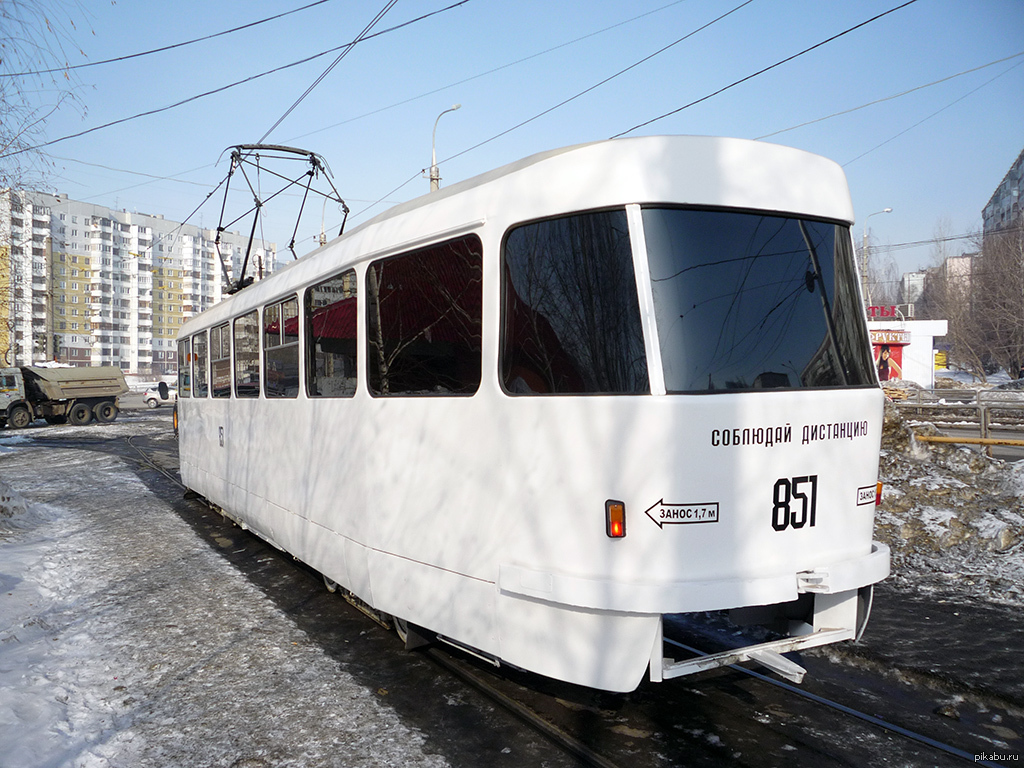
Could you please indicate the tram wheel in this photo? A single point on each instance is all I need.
(401, 629)
(332, 586)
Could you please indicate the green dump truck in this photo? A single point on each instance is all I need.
(59, 395)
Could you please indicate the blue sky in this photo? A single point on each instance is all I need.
(934, 155)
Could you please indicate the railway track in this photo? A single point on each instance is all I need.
(716, 716)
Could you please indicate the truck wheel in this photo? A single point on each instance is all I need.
(19, 417)
(105, 412)
(80, 414)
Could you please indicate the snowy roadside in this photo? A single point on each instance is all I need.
(953, 518)
(126, 641)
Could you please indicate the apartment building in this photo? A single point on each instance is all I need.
(1003, 209)
(87, 285)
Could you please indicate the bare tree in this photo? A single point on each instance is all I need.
(998, 298)
(35, 81)
(949, 295)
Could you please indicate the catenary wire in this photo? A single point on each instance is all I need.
(359, 38)
(226, 87)
(933, 114)
(766, 69)
(599, 84)
(128, 57)
(490, 71)
(890, 98)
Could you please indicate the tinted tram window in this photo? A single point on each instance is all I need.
(184, 367)
(745, 301)
(220, 361)
(423, 320)
(331, 337)
(570, 311)
(247, 355)
(281, 349)
(200, 382)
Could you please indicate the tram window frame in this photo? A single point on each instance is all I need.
(281, 349)
(245, 338)
(200, 365)
(332, 367)
(185, 366)
(589, 342)
(440, 352)
(220, 365)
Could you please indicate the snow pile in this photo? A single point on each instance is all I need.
(952, 516)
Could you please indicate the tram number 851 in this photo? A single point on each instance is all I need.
(796, 501)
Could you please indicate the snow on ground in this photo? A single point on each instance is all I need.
(953, 518)
(120, 649)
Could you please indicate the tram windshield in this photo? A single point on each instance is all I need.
(748, 301)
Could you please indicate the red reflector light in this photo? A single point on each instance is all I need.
(615, 519)
(878, 493)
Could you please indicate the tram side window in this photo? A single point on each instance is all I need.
(281, 349)
(184, 367)
(201, 360)
(570, 312)
(247, 355)
(331, 337)
(220, 361)
(424, 320)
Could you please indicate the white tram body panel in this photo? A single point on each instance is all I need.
(482, 517)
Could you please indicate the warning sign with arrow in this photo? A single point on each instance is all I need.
(683, 514)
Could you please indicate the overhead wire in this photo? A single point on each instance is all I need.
(892, 97)
(602, 82)
(130, 56)
(933, 114)
(479, 75)
(764, 70)
(359, 38)
(221, 89)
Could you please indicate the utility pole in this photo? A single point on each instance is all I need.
(435, 177)
(864, 258)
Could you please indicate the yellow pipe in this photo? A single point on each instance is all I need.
(970, 440)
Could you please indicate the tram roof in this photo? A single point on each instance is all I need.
(679, 170)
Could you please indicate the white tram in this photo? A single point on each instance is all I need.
(535, 412)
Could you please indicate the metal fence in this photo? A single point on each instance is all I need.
(985, 409)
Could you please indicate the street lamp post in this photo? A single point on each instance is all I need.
(864, 256)
(435, 177)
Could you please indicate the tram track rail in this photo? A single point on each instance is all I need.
(846, 710)
(560, 737)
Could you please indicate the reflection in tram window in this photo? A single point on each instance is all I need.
(247, 355)
(281, 349)
(424, 322)
(184, 370)
(331, 337)
(220, 356)
(200, 361)
(570, 313)
(747, 301)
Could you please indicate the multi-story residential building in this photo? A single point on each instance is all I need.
(88, 285)
(1003, 208)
